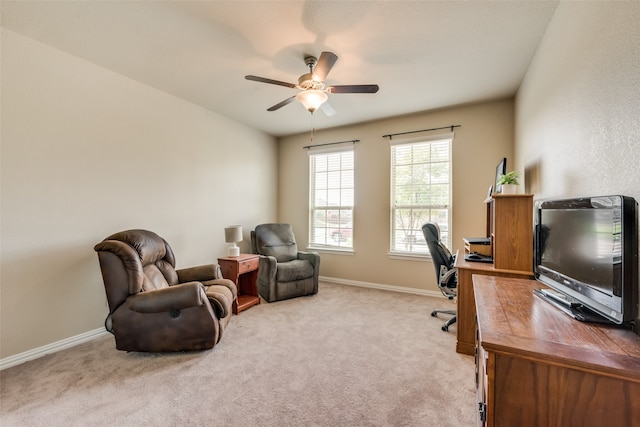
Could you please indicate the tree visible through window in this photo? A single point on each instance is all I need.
(332, 195)
(420, 192)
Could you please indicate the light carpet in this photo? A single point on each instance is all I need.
(347, 356)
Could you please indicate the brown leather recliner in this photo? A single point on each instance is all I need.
(154, 307)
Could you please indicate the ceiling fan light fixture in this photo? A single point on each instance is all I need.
(312, 99)
(313, 91)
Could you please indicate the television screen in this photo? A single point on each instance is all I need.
(501, 169)
(588, 249)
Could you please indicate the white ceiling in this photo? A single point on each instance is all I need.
(423, 54)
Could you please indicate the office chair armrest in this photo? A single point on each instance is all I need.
(447, 276)
(177, 297)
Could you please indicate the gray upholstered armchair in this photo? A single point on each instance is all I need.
(152, 306)
(284, 272)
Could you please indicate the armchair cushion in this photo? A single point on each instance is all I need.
(154, 279)
(296, 269)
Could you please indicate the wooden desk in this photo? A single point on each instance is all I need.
(536, 366)
(466, 310)
(510, 226)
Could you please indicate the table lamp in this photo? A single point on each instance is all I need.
(233, 234)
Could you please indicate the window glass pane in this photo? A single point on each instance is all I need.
(332, 190)
(421, 192)
(320, 198)
(333, 197)
(320, 180)
(347, 178)
(320, 164)
(347, 197)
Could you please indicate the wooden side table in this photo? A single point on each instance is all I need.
(243, 271)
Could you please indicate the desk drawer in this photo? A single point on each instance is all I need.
(248, 265)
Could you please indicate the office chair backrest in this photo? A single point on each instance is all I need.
(439, 253)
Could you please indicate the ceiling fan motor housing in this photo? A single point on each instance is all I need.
(309, 81)
(306, 81)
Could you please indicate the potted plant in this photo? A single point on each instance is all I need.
(509, 182)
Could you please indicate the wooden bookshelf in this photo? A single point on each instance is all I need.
(511, 223)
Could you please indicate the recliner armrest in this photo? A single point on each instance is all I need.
(221, 298)
(177, 297)
(228, 283)
(199, 273)
(268, 267)
(312, 257)
(269, 261)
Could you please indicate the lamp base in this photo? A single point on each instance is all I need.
(234, 251)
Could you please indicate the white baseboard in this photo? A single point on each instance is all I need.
(17, 359)
(392, 288)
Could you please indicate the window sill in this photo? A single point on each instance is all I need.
(408, 257)
(334, 251)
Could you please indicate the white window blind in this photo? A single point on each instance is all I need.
(331, 198)
(420, 191)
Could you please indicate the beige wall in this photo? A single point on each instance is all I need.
(485, 136)
(78, 142)
(87, 152)
(578, 109)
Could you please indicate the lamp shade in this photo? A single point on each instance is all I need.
(312, 99)
(233, 234)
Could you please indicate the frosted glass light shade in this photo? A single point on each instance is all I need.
(233, 234)
(312, 99)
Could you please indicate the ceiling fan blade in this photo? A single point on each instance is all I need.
(327, 109)
(281, 104)
(325, 63)
(353, 89)
(270, 81)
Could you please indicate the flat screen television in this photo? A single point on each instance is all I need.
(587, 249)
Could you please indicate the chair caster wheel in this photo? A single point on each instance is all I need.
(445, 328)
(434, 314)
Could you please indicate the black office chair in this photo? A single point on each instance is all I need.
(446, 273)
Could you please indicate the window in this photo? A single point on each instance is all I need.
(332, 194)
(420, 191)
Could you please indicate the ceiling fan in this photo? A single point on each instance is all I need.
(313, 90)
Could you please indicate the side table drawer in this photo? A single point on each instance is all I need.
(248, 265)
